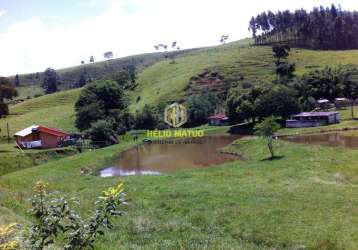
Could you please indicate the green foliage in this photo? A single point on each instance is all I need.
(242, 103)
(200, 107)
(102, 134)
(280, 52)
(50, 81)
(322, 28)
(99, 101)
(82, 81)
(278, 100)
(261, 102)
(148, 118)
(267, 129)
(17, 80)
(54, 218)
(7, 91)
(285, 70)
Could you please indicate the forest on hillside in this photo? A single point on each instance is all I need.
(321, 28)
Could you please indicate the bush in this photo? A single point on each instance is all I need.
(56, 220)
(102, 134)
(102, 100)
(200, 107)
(148, 118)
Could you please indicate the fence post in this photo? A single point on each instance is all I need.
(8, 132)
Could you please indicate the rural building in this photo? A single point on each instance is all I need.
(218, 120)
(324, 104)
(312, 119)
(37, 136)
(342, 102)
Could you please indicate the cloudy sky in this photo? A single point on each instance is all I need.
(38, 34)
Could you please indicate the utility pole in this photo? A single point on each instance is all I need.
(8, 132)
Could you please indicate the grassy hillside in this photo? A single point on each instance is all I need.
(165, 82)
(56, 110)
(305, 200)
(98, 70)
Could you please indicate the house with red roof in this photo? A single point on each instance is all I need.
(37, 136)
(219, 119)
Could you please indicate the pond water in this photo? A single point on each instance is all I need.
(171, 155)
(331, 139)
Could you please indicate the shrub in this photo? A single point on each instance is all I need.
(55, 219)
(7, 237)
(200, 107)
(147, 118)
(102, 134)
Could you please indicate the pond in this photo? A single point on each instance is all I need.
(331, 139)
(171, 155)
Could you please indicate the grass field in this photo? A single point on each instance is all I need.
(164, 82)
(306, 198)
(55, 110)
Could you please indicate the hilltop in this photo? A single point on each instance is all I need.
(164, 81)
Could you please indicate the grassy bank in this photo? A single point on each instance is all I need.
(307, 198)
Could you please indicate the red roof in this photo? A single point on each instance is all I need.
(220, 116)
(52, 131)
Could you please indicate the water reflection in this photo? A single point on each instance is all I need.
(331, 139)
(155, 158)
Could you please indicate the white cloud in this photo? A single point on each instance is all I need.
(131, 27)
(2, 12)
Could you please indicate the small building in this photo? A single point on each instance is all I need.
(324, 104)
(312, 119)
(342, 102)
(37, 136)
(218, 120)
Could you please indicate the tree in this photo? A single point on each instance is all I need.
(280, 52)
(200, 107)
(349, 80)
(108, 55)
(320, 84)
(147, 118)
(7, 92)
(100, 100)
(82, 62)
(286, 71)
(17, 80)
(267, 129)
(91, 59)
(224, 38)
(123, 78)
(82, 81)
(102, 134)
(55, 222)
(278, 100)
(50, 81)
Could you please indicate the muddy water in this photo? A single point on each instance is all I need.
(334, 140)
(168, 156)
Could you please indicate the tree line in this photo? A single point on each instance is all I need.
(321, 28)
(290, 94)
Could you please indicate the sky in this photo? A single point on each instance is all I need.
(38, 34)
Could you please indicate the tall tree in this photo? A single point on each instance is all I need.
(7, 91)
(50, 81)
(103, 100)
(108, 55)
(267, 128)
(17, 80)
(349, 80)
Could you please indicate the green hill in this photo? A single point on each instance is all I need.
(165, 81)
(56, 110)
(68, 77)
